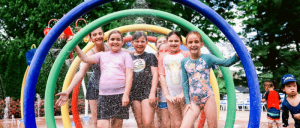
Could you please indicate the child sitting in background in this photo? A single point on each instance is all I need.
(292, 101)
(273, 100)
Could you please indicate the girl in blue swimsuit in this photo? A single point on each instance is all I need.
(197, 90)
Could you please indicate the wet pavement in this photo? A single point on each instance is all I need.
(241, 121)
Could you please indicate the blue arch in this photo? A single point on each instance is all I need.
(48, 41)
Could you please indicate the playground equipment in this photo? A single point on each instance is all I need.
(85, 39)
(74, 66)
(81, 9)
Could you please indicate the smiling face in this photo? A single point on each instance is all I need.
(290, 88)
(140, 45)
(115, 42)
(174, 43)
(160, 41)
(194, 44)
(97, 36)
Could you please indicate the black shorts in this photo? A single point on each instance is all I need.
(92, 92)
(140, 92)
(110, 106)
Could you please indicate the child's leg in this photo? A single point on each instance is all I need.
(103, 123)
(137, 111)
(175, 113)
(148, 114)
(116, 123)
(210, 110)
(270, 125)
(191, 116)
(93, 105)
(166, 120)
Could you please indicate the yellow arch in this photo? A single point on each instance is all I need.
(123, 29)
(22, 91)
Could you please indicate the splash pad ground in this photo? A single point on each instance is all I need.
(241, 121)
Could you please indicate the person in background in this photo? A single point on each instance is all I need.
(289, 86)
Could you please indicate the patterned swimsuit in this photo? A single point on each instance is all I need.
(196, 77)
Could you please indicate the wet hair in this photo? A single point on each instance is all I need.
(159, 47)
(196, 33)
(139, 34)
(103, 47)
(162, 36)
(113, 32)
(269, 81)
(94, 30)
(174, 33)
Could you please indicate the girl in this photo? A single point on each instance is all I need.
(145, 79)
(93, 85)
(116, 80)
(163, 115)
(196, 84)
(292, 101)
(170, 77)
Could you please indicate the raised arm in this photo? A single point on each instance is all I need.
(221, 62)
(85, 58)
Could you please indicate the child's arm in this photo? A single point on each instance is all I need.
(154, 84)
(185, 83)
(84, 57)
(126, 50)
(64, 96)
(285, 116)
(222, 62)
(154, 64)
(129, 77)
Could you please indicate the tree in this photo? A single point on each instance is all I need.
(275, 48)
(23, 22)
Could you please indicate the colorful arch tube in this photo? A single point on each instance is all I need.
(63, 23)
(22, 91)
(77, 61)
(81, 9)
(169, 17)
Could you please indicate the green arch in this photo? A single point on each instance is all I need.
(231, 112)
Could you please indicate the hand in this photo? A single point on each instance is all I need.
(152, 98)
(297, 116)
(170, 98)
(247, 50)
(64, 96)
(70, 38)
(179, 97)
(125, 100)
(187, 107)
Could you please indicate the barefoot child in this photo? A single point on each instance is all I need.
(170, 77)
(292, 101)
(115, 81)
(197, 90)
(273, 100)
(145, 79)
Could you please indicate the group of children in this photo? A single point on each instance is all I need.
(132, 79)
(291, 102)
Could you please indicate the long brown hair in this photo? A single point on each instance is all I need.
(115, 31)
(102, 45)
